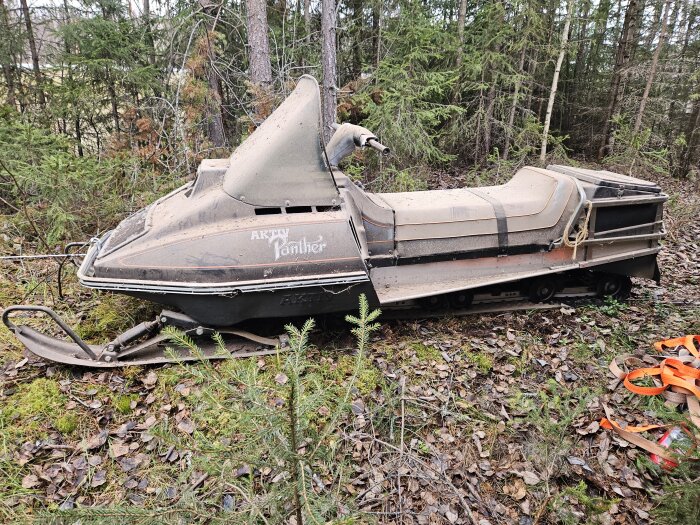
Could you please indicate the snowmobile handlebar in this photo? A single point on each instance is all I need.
(349, 136)
(381, 148)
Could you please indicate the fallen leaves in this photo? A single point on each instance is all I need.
(530, 478)
(95, 441)
(185, 425)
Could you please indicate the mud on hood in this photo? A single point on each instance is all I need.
(282, 163)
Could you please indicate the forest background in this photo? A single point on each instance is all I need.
(112, 102)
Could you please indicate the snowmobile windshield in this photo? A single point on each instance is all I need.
(282, 163)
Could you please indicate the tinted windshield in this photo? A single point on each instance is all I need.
(282, 162)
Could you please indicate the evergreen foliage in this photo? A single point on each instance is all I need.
(59, 196)
(282, 422)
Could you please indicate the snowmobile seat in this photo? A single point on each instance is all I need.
(527, 213)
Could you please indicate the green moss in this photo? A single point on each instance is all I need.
(581, 352)
(66, 424)
(114, 314)
(122, 403)
(564, 504)
(426, 353)
(679, 505)
(368, 378)
(28, 412)
(41, 397)
(483, 362)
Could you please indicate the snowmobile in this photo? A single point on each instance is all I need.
(278, 231)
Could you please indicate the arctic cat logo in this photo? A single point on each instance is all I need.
(304, 298)
(279, 239)
(270, 235)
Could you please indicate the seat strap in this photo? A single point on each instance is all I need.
(501, 219)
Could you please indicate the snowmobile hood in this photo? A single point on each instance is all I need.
(282, 163)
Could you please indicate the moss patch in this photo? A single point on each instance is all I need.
(426, 353)
(41, 397)
(368, 378)
(32, 408)
(66, 424)
(483, 362)
(122, 403)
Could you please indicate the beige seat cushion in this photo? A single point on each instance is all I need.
(533, 199)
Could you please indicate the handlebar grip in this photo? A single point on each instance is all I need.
(381, 148)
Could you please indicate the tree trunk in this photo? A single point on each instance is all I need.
(377, 30)
(514, 105)
(67, 50)
(357, 41)
(658, 8)
(307, 20)
(259, 57)
(622, 59)
(148, 34)
(78, 136)
(488, 117)
(654, 64)
(692, 138)
(570, 117)
(113, 102)
(34, 53)
(531, 84)
(555, 78)
(6, 55)
(678, 99)
(328, 54)
(460, 30)
(215, 119)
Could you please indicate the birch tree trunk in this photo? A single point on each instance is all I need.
(328, 55)
(34, 52)
(259, 57)
(307, 20)
(555, 78)
(654, 64)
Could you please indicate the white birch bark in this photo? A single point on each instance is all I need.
(555, 78)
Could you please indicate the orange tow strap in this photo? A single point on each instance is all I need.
(677, 381)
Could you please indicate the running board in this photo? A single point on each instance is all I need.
(486, 308)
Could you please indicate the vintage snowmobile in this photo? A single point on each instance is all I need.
(277, 230)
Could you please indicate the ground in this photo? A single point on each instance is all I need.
(490, 419)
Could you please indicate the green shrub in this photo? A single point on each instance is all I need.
(63, 196)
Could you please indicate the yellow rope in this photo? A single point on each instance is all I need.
(582, 234)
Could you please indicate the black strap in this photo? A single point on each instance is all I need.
(501, 220)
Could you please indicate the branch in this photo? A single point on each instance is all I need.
(25, 211)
